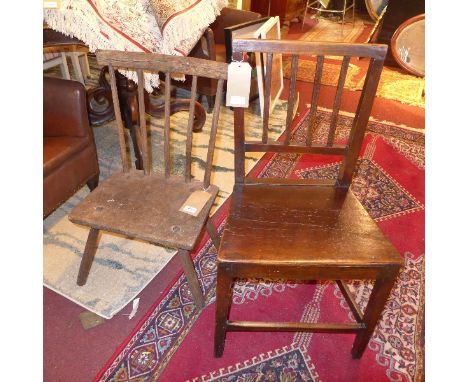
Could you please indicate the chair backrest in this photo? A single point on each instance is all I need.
(152, 62)
(348, 151)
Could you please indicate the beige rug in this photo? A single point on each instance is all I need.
(328, 30)
(393, 85)
(397, 86)
(330, 73)
(123, 267)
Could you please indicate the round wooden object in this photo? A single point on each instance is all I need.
(407, 45)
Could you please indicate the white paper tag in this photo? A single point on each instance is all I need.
(51, 4)
(190, 209)
(136, 303)
(195, 202)
(238, 84)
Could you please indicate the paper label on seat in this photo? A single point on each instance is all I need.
(238, 84)
(195, 202)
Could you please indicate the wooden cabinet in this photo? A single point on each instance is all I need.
(398, 11)
(285, 9)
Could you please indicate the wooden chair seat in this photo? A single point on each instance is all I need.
(145, 207)
(306, 226)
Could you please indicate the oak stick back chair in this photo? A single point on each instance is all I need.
(298, 229)
(144, 204)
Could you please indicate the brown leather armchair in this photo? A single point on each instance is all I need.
(211, 46)
(69, 156)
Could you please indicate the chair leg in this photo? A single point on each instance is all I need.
(93, 182)
(64, 67)
(76, 67)
(374, 309)
(305, 15)
(84, 65)
(88, 256)
(211, 102)
(213, 232)
(191, 274)
(223, 302)
(343, 16)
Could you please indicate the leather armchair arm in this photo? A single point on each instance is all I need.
(64, 109)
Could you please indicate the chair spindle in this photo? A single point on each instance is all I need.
(188, 148)
(315, 96)
(239, 145)
(337, 102)
(143, 134)
(291, 97)
(167, 124)
(267, 97)
(118, 117)
(213, 131)
(361, 118)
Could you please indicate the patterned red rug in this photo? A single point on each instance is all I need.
(174, 342)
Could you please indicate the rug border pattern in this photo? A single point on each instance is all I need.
(255, 360)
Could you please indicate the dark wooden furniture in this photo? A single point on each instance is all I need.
(407, 45)
(143, 204)
(69, 153)
(305, 229)
(398, 11)
(285, 9)
(212, 46)
(244, 30)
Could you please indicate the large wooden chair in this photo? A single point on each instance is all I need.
(304, 229)
(144, 204)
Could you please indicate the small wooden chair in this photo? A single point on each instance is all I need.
(144, 204)
(305, 229)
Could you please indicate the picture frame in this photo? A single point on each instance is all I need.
(242, 30)
(269, 30)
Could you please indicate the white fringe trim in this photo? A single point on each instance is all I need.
(83, 23)
(198, 17)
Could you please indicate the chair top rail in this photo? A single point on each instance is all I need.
(376, 51)
(163, 63)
